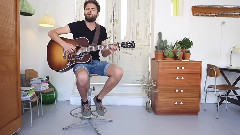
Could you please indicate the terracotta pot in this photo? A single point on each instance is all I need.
(159, 55)
(174, 52)
(186, 56)
(183, 50)
(181, 56)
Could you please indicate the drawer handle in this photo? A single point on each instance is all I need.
(181, 90)
(177, 78)
(181, 103)
(183, 67)
(178, 68)
(156, 91)
(176, 90)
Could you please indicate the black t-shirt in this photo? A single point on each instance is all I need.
(80, 29)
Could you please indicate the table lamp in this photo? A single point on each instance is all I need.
(236, 49)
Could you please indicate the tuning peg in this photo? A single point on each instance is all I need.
(133, 44)
(118, 44)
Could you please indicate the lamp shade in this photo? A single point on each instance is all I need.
(46, 21)
(236, 49)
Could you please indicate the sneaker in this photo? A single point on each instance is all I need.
(85, 110)
(99, 107)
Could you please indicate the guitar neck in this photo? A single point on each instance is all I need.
(101, 47)
(92, 48)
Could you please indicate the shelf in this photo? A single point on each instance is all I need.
(216, 11)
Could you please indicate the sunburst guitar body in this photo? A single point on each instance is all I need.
(61, 61)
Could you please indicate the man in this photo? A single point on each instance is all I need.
(87, 28)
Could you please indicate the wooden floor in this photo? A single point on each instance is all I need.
(135, 120)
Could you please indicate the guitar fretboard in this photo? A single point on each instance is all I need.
(91, 48)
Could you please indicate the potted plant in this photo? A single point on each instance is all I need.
(160, 47)
(187, 55)
(178, 52)
(168, 53)
(185, 44)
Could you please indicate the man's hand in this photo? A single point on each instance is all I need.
(113, 48)
(69, 47)
(54, 35)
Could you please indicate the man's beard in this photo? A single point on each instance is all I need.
(90, 19)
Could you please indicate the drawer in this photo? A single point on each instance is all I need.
(178, 105)
(168, 80)
(180, 67)
(179, 92)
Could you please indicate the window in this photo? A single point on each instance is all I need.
(123, 19)
(176, 7)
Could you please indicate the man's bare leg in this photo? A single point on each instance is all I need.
(115, 74)
(82, 83)
(83, 87)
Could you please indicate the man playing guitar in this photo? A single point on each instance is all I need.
(87, 28)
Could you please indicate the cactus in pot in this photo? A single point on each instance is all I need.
(160, 47)
(161, 44)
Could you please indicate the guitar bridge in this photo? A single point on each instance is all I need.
(80, 56)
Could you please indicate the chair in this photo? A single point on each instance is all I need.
(91, 121)
(45, 92)
(30, 74)
(220, 91)
(30, 101)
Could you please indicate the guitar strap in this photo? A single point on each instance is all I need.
(96, 36)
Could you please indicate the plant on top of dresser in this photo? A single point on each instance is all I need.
(185, 43)
(160, 47)
(187, 55)
(178, 52)
(168, 53)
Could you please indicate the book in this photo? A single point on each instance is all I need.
(28, 95)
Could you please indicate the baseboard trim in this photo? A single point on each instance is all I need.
(136, 99)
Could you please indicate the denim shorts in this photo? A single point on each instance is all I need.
(94, 67)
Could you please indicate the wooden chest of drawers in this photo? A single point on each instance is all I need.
(178, 87)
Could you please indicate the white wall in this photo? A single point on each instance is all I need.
(34, 40)
(212, 39)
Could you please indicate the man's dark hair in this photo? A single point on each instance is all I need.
(93, 2)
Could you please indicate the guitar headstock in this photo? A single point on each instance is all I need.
(130, 44)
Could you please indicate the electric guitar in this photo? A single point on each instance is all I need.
(62, 61)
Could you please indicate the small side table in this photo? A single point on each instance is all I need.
(45, 92)
(29, 100)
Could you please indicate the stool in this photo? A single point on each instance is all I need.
(91, 121)
(45, 92)
(30, 106)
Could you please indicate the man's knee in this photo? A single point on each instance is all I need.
(82, 76)
(115, 71)
(119, 72)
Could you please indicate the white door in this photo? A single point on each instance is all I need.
(125, 20)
